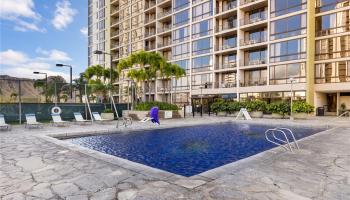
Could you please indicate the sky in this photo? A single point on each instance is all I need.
(37, 34)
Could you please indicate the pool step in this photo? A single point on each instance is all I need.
(284, 142)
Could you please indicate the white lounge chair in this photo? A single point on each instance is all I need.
(31, 121)
(98, 117)
(3, 124)
(79, 118)
(57, 120)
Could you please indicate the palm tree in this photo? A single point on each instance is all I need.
(56, 85)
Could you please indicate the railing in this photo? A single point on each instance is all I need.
(150, 19)
(229, 65)
(244, 2)
(332, 79)
(161, 1)
(225, 85)
(150, 33)
(147, 89)
(253, 41)
(115, 33)
(225, 46)
(164, 29)
(150, 4)
(226, 7)
(253, 83)
(164, 44)
(256, 62)
(282, 142)
(226, 26)
(148, 48)
(202, 69)
(260, 18)
(164, 13)
(331, 31)
(163, 89)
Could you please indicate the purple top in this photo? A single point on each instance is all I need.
(154, 114)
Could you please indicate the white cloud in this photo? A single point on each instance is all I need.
(18, 64)
(84, 31)
(63, 15)
(22, 13)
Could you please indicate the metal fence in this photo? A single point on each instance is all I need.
(43, 110)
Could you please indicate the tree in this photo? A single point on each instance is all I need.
(13, 96)
(79, 84)
(56, 86)
(98, 79)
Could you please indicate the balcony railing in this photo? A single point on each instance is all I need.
(164, 89)
(152, 89)
(256, 62)
(115, 10)
(164, 13)
(254, 20)
(164, 44)
(150, 33)
(161, 1)
(115, 45)
(244, 2)
(254, 82)
(225, 85)
(150, 47)
(150, 4)
(230, 6)
(164, 29)
(150, 19)
(253, 41)
(115, 33)
(225, 46)
(202, 69)
(332, 79)
(229, 65)
(226, 26)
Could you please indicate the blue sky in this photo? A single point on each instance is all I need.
(37, 34)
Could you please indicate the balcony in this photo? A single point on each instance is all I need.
(225, 46)
(161, 1)
(115, 11)
(164, 44)
(148, 90)
(164, 29)
(164, 89)
(256, 62)
(150, 33)
(230, 65)
(253, 41)
(226, 7)
(254, 83)
(245, 2)
(247, 21)
(202, 69)
(115, 33)
(225, 85)
(150, 19)
(226, 26)
(115, 45)
(150, 47)
(164, 13)
(150, 4)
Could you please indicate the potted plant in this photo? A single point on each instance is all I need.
(219, 107)
(233, 108)
(301, 109)
(256, 108)
(278, 109)
(107, 114)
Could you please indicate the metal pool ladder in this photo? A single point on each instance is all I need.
(281, 142)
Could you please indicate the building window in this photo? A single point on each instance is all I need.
(201, 64)
(202, 11)
(202, 46)
(181, 51)
(184, 64)
(181, 18)
(179, 4)
(229, 42)
(336, 47)
(255, 57)
(288, 27)
(326, 5)
(282, 7)
(202, 28)
(279, 74)
(255, 77)
(288, 50)
(202, 80)
(182, 83)
(181, 35)
(334, 72)
(333, 23)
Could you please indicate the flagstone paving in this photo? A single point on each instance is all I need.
(36, 166)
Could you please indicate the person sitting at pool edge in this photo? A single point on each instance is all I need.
(154, 115)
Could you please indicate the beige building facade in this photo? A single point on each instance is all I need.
(235, 49)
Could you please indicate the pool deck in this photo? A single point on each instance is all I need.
(34, 165)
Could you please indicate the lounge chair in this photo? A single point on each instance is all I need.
(3, 124)
(57, 120)
(31, 121)
(98, 117)
(79, 118)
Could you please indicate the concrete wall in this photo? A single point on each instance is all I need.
(320, 99)
(346, 100)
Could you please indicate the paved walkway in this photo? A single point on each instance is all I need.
(35, 166)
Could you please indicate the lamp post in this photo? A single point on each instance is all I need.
(201, 87)
(291, 80)
(45, 83)
(71, 71)
(98, 52)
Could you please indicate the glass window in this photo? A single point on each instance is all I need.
(332, 23)
(179, 4)
(181, 35)
(287, 27)
(288, 50)
(181, 51)
(202, 46)
(201, 64)
(334, 72)
(335, 47)
(229, 42)
(255, 77)
(182, 83)
(326, 5)
(181, 18)
(184, 64)
(256, 57)
(204, 80)
(202, 11)
(282, 7)
(280, 74)
(202, 28)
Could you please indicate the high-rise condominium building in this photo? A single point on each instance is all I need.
(232, 49)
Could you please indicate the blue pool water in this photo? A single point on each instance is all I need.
(187, 151)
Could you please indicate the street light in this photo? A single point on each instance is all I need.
(45, 83)
(98, 52)
(71, 85)
(291, 80)
(201, 87)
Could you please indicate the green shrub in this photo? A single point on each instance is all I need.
(281, 108)
(219, 106)
(146, 106)
(256, 105)
(108, 110)
(233, 106)
(302, 107)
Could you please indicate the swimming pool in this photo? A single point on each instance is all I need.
(190, 150)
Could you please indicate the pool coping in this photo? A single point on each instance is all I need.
(201, 178)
